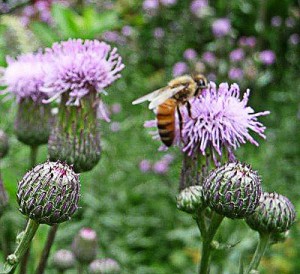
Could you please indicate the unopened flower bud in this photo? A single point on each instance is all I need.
(85, 245)
(191, 199)
(49, 193)
(104, 266)
(233, 190)
(33, 122)
(275, 214)
(4, 146)
(75, 137)
(63, 260)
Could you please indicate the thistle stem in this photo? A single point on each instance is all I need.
(14, 259)
(33, 158)
(207, 239)
(33, 155)
(260, 251)
(46, 251)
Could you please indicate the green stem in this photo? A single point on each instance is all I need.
(80, 268)
(259, 252)
(14, 259)
(33, 155)
(33, 158)
(46, 251)
(206, 246)
(200, 219)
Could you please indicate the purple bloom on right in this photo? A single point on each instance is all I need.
(220, 120)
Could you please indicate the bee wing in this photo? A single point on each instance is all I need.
(148, 97)
(168, 93)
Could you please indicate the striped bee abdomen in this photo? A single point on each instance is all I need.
(166, 121)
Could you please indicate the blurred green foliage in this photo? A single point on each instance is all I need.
(134, 213)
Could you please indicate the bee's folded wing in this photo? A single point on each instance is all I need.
(148, 97)
(161, 98)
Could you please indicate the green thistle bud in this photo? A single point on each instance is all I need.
(49, 193)
(3, 198)
(33, 122)
(233, 190)
(75, 137)
(104, 266)
(275, 214)
(190, 199)
(4, 145)
(63, 260)
(85, 245)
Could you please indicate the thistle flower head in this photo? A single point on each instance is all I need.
(220, 119)
(85, 245)
(275, 213)
(80, 67)
(24, 76)
(190, 199)
(232, 190)
(49, 193)
(63, 260)
(104, 266)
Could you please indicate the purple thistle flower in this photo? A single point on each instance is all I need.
(220, 120)
(267, 57)
(116, 108)
(24, 76)
(237, 55)
(235, 74)
(127, 30)
(81, 67)
(150, 5)
(197, 6)
(294, 39)
(221, 27)
(115, 126)
(168, 2)
(209, 57)
(179, 69)
(158, 33)
(190, 54)
(290, 22)
(276, 21)
(160, 167)
(145, 166)
(249, 41)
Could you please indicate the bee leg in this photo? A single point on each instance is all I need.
(180, 122)
(189, 109)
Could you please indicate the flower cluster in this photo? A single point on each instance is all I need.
(75, 67)
(159, 167)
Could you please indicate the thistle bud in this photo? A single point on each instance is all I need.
(4, 146)
(85, 245)
(275, 214)
(104, 266)
(233, 190)
(49, 193)
(63, 260)
(33, 122)
(75, 137)
(190, 199)
(3, 198)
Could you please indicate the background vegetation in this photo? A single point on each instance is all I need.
(133, 210)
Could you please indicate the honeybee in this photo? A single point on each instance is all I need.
(168, 99)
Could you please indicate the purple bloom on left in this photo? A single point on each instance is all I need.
(24, 76)
(80, 67)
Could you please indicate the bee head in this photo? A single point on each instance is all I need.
(201, 82)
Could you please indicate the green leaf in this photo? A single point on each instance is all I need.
(67, 21)
(45, 34)
(241, 265)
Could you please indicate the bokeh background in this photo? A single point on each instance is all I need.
(129, 198)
